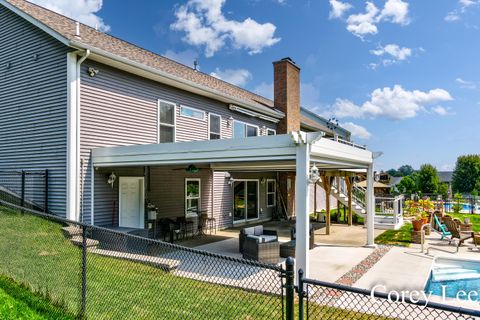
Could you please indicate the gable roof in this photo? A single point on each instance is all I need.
(65, 28)
(102, 44)
(445, 176)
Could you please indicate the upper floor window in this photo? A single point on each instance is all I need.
(214, 124)
(192, 113)
(271, 132)
(166, 121)
(243, 130)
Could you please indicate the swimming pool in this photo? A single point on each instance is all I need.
(466, 207)
(451, 276)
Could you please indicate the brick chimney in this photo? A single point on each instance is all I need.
(286, 89)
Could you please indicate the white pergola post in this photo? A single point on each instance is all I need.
(370, 208)
(301, 207)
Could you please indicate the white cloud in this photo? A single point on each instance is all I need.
(395, 51)
(362, 24)
(393, 103)
(452, 16)
(357, 130)
(238, 77)
(456, 14)
(467, 3)
(464, 84)
(184, 57)
(395, 11)
(83, 11)
(206, 26)
(440, 110)
(338, 8)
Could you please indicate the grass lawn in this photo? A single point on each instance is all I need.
(474, 219)
(18, 302)
(400, 237)
(35, 252)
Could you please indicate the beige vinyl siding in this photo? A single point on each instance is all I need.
(118, 108)
(33, 104)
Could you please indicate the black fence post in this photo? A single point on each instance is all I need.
(290, 288)
(46, 191)
(300, 295)
(22, 199)
(84, 273)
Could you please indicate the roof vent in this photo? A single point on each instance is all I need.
(77, 29)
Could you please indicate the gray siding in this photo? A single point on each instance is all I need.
(167, 192)
(33, 103)
(118, 108)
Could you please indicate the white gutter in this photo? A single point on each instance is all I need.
(212, 92)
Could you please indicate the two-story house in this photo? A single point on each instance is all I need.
(120, 127)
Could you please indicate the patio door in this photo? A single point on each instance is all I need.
(245, 203)
(131, 202)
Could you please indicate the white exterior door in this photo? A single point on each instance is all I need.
(131, 203)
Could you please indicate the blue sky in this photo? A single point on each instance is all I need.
(403, 75)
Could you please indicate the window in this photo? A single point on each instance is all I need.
(271, 192)
(166, 122)
(192, 113)
(271, 132)
(192, 197)
(242, 130)
(215, 126)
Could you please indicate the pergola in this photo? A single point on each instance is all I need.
(288, 152)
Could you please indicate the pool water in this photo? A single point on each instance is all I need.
(449, 276)
(466, 208)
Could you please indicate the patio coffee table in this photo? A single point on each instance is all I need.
(287, 249)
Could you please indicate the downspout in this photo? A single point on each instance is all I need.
(79, 160)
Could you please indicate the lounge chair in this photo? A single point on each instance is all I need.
(456, 234)
(442, 228)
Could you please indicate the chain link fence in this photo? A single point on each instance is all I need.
(25, 188)
(99, 273)
(82, 271)
(322, 300)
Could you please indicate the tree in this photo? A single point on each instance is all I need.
(393, 173)
(405, 170)
(407, 185)
(427, 179)
(466, 176)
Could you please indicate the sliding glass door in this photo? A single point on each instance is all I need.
(245, 203)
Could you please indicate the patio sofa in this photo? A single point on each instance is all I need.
(256, 232)
(266, 252)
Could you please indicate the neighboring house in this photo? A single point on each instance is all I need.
(446, 177)
(69, 92)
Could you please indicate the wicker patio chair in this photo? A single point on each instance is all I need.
(266, 252)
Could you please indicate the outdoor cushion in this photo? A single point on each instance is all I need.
(250, 230)
(258, 238)
(267, 238)
(258, 230)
